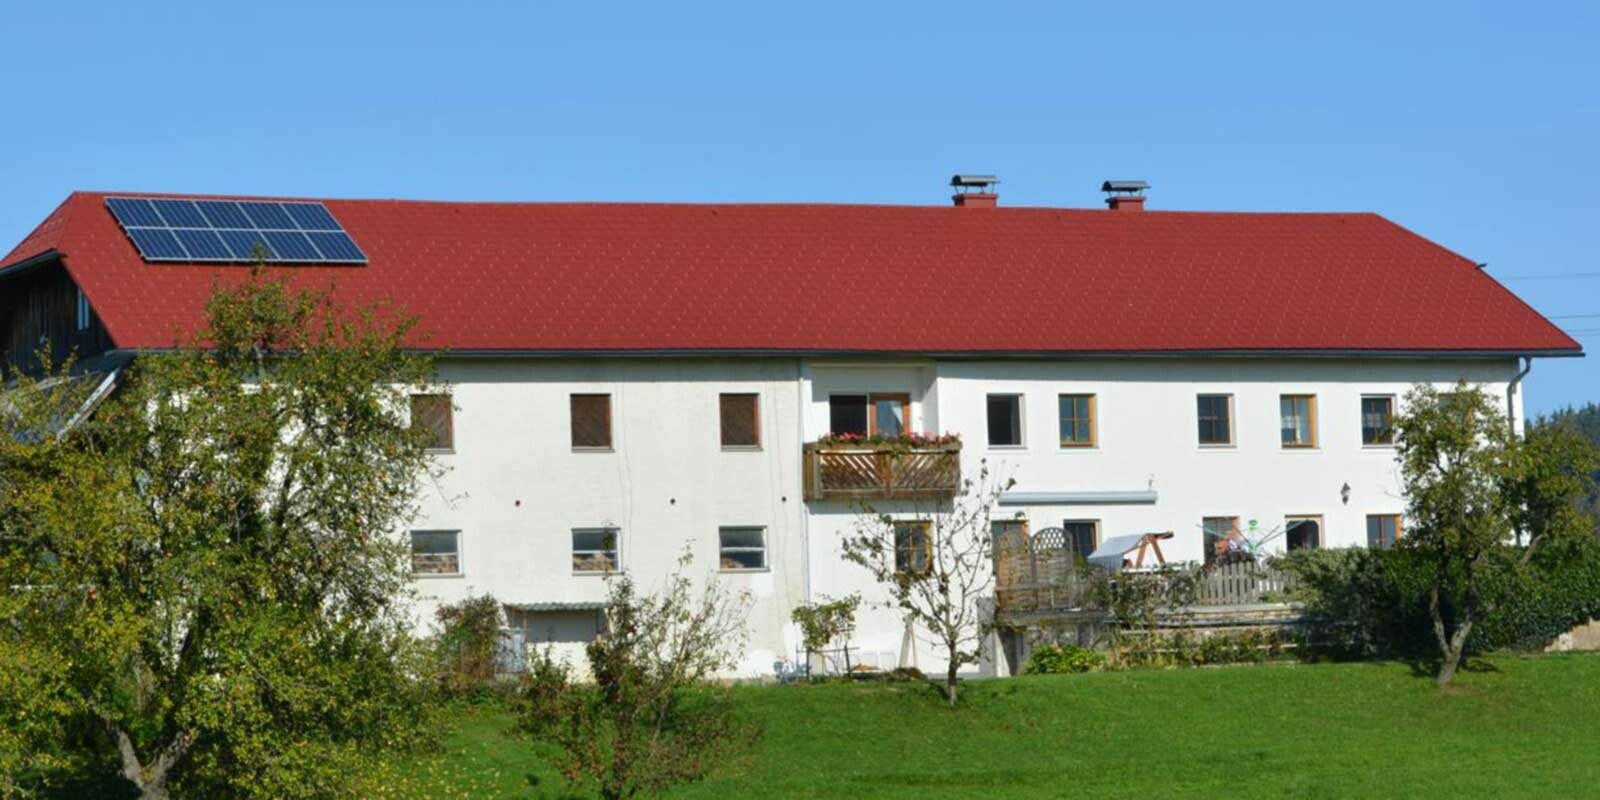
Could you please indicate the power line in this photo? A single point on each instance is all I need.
(1574, 316)
(1550, 277)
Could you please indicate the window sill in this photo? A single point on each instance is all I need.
(1009, 448)
(593, 450)
(1219, 448)
(741, 448)
(428, 576)
(1300, 448)
(1078, 448)
(745, 571)
(596, 574)
(1377, 447)
(439, 451)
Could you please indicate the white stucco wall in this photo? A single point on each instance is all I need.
(516, 488)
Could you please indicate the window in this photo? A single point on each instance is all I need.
(1377, 415)
(1215, 414)
(432, 414)
(1218, 533)
(436, 552)
(83, 311)
(742, 548)
(1005, 420)
(1077, 420)
(1082, 535)
(591, 422)
(595, 550)
(913, 548)
(1299, 419)
(1383, 530)
(741, 420)
(1302, 533)
(869, 414)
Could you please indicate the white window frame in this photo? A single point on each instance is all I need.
(1022, 421)
(766, 562)
(615, 551)
(460, 563)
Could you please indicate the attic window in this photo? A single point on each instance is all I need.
(84, 316)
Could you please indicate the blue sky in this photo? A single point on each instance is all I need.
(1475, 124)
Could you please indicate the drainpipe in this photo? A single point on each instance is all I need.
(1511, 392)
(800, 376)
(1511, 411)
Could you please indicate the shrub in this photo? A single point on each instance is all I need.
(467, 644)
(1373, 602)
(1053, 659)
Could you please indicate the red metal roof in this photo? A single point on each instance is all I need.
(924, 279)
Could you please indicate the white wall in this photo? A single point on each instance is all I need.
(516, 488)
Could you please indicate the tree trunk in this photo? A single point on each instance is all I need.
(1451, 646)
(950, 687)
(150, 779)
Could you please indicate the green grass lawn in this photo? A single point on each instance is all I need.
(1521, 727)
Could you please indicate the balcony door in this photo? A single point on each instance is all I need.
(878, 413)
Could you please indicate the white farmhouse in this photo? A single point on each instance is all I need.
(630, 380)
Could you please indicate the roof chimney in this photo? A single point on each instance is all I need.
(974, 191)
(1125, 195)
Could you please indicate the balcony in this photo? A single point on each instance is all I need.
(911, 468)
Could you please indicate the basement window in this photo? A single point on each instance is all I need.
(1218, 533)
(742, 549)
(434, 415)
(1302, 533)
(1383, 530)
(1005, 420)
(435, 553)
(1082, 535)
(595, 550)
(591, 422)
(741, 421)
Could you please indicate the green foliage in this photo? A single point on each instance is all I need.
(1469, 482)
(467, 644)
(214, 576)
(1053, 659)
(826, 621)
(650, 719)
(1374, 602)
(1136, 598)
(1190, 648)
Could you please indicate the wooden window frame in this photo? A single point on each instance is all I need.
(1022, 421)
(766, 560)
(927, 548)
(1208, 558)
(755, 420)
(1233, 440)
(611, 430)
(1399, 528)
(459, 571)
(1311, 416)
(1322, 530)
(615, 550)
(1361, 409)
(449, 444)
(872, 405)
(1094, 421)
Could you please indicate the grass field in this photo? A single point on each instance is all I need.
(1518, 727)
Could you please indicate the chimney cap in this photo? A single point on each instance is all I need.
(973, 181)
(1127, 187)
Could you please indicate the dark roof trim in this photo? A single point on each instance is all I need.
(30, 262)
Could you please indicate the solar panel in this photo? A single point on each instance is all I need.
(184, 229)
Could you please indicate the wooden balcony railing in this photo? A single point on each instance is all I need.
(871, 472)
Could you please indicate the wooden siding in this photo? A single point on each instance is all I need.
(38, 307)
